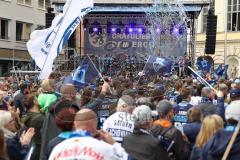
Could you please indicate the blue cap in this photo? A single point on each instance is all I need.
(234, 93)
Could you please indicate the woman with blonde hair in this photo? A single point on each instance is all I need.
(210, 125)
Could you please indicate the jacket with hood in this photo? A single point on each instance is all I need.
(216, 146)
(180, 147)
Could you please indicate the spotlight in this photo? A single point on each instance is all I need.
(130, 30)
(113, 29)
(158, 30)
(140, 30)
(95, 29)
(176, 30)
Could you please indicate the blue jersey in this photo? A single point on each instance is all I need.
(181, 113)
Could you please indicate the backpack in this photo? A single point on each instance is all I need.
(166, 142)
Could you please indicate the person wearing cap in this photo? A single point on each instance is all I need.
(235, 95)
(120, 123)
(163, 127)
(86, 142)
(215, 147)
(141, 144)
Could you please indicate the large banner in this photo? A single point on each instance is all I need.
(123, 43)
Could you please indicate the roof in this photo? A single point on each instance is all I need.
(187, 8)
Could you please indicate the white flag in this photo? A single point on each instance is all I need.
(45, 45)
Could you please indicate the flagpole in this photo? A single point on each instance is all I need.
(96, 68)
(143, 69)
(55, 36)
(202, 79)
(230, 144)
(99, 73)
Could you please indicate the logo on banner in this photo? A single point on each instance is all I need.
(158, 64)
(49, 38)
(97, 40)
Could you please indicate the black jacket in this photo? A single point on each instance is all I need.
(15, 149)
(55, 141)
(143, 146)
(180, 147)
(215, 147)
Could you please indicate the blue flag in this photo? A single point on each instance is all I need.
(225, 69)
(86, 73)
(219, 71)
(203, 64)
(157, 65)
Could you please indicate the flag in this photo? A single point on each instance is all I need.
(203, 64)
(86, 73)
(225, 69)
(156, 65)
(199, 78)
(219, 71)
(45, 45)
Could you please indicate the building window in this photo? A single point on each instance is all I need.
(25, 2)
(44, 4)
(205, 13)
(23, 31)
(233, 16)
(4, 29)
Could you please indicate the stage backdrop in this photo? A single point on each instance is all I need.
(134, 43)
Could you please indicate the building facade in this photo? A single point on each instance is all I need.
(228, 27)
(18, 18)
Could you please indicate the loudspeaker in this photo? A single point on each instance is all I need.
(211, 34)
(48, 19)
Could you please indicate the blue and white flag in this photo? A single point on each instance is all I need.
(203, 64)
(45, 45)
(156, 65)
(219, 71)
(86, 73)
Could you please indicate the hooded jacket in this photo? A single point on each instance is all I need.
(216, 146)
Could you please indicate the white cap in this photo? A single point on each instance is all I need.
(233, 111)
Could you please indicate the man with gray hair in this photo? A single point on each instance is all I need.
(210, 105)
(140, 144)
(120, 123)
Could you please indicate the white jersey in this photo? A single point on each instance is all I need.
(87, 148)
(119, 125)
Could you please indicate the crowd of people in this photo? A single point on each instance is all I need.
(154, 118)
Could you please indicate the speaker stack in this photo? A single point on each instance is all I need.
(211, 34)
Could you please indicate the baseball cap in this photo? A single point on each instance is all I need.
(234, 93)
(142, 114)
(232, 111)
(164, 107)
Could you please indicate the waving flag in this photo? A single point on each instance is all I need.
(45, 45)
(203, 64)
(219, 71)
(156, 65)
(86, 73)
